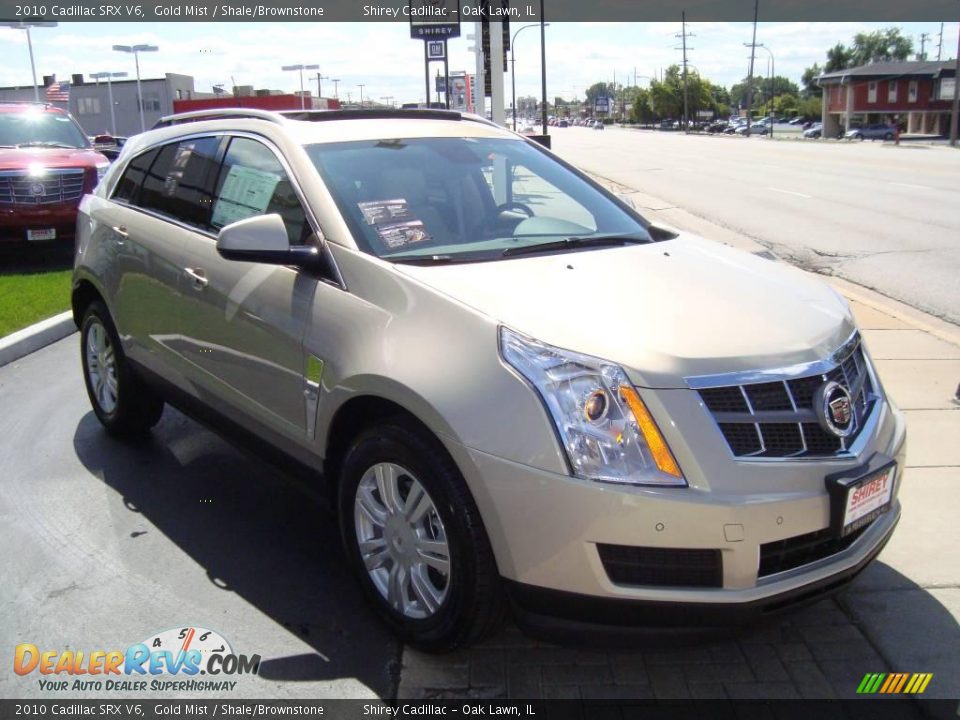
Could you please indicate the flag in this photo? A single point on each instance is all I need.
(58, 92)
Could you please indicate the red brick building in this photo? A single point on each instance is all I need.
(917, 94)
(262, 102)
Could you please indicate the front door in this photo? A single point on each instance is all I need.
(242, 324)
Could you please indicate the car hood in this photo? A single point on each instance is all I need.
(664, 311)
(22, 158)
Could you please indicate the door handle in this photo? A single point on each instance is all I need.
(198, 277)
(121, 232)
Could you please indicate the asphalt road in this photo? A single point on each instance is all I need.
(880, 215)
(106, 544)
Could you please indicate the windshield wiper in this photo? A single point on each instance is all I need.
(40, 143)
(572, 243)
(421, 259)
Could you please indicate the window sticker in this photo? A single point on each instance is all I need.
(378, 212)
(403, 234)
(246, 192)
(175, 175)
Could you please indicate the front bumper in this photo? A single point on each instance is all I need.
(15, 220)
(546, 529)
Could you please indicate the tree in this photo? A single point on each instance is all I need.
(881, 45)
(888, 44)
(600, 89)
(809, 80)
(642, 109)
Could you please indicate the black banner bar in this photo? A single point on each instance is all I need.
(518, 11)
(473, 708)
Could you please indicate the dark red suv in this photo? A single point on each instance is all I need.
(47, 165)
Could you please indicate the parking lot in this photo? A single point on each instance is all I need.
(115, 542)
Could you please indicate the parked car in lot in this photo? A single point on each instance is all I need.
(598, 125)
(46, 165)
(108, 145)
(386, 297)
(815, 131)
(877, 131)
(757, 128)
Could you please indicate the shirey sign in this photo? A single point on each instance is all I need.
(434, 19)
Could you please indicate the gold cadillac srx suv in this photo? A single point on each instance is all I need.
(521, 393)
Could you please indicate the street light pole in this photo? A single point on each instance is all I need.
(513, 71)
(109, 76)
(543, 69)
(33, 68)
(300, 68)
(362, 86)
(773, 79)
(136, 50)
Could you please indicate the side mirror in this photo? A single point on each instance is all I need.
(262, 239)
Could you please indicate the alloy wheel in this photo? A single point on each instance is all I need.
(102, 367)
(402, 540)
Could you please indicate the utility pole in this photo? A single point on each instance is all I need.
(940, 43)
(684, 35)
(956, 97)
(753, 53)
(923, 43)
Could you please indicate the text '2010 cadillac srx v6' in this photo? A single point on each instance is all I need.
(522, 393)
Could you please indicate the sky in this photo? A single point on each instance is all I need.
(384, 58)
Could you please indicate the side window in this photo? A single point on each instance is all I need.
(178, 183)
(128, 186)
(253, 182)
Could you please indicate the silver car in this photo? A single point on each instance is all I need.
(514, 386)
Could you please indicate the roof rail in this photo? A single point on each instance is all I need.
(26, 102)
(383, 114)
(315, 115)
(217, 114)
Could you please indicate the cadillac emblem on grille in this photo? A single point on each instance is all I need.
(37, 189)
(834, 409)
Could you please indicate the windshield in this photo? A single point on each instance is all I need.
(37, 128)
(465, 199)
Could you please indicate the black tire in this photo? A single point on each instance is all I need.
(137, 408)
(473, 606)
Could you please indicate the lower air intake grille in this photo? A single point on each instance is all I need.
(802, 550)
(662, 567)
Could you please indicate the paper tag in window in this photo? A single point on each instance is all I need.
(403, 234)
(379, 212)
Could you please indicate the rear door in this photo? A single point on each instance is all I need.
(143, 259)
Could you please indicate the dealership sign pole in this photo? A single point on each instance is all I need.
(434, 22)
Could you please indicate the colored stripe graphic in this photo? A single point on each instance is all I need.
(894, 683)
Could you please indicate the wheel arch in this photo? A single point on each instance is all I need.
(355, 415)
(84, 292)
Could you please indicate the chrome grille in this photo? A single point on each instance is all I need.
(56, 185)
(777, 419)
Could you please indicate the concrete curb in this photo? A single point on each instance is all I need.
(39, 335)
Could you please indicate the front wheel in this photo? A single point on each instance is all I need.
(414, 538)
(123, 404)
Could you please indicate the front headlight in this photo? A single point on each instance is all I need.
(604, 426)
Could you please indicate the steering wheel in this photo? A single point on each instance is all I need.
(525, 209)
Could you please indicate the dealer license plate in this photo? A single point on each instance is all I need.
(868, 498)
(45, 234)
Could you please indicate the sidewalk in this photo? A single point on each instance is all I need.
(901, 615)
